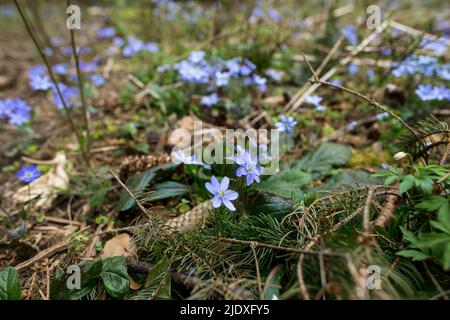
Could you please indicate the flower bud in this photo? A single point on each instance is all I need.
(399, 155)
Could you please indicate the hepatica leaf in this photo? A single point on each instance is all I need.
(9, 284)
(115, 276)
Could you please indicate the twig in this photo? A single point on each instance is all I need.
(141, 207)
(258, 275)
(435, 282)
(53, 78)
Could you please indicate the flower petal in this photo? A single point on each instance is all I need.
(224, 183)
(216, 201)
(229, 205)
(210, 188)
(231, 195)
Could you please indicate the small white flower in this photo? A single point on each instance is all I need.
(399, 155)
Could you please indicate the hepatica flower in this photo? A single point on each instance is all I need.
(210, 100)
(222, 78)
(248, 167)
(315, 101)
(285, 124)
(352, 68)
(106, 32)
(427, 92)
(349, 32)
(274, 15)
(221, 193)
(17, 111)
(39, 80)
(97, 80)
(71, 96)
(28, 173)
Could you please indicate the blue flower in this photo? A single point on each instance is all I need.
(221, 193)
(118, 42)
(248, 167)
(151, 47)
(97, 80)
(349, 32)
(222, 78)
(427, 92)
(274, 74)
(315, 101)
(40, 82)
(28, 173)
(274, 15)
(106, 32)
(71, 96)
(60, 68)
(285, 124)
(437, 46)
(260, 82)
(16, 110)
(210, 100)
(382, 116)
(352, 68)
(196, 56)
(134, 46)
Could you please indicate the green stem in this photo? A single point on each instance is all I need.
(81, 86)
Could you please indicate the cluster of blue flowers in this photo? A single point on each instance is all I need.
(425, 65)
(248, 167)
(428, 92)
(258, 13)
(17, 111)
(218, 74)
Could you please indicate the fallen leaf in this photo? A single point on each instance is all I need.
(120, 245)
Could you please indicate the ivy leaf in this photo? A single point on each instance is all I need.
(9, 284)
(285, 184)
(115, 276)
(413, 254)
(406, 184)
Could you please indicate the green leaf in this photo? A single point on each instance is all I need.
(166, 190)
(158, 282)
(115, 276)
(425, 184)
(414, 254)
(327, 155)
(138, 182)
(432, 203)
(446, 257)
(89, 278)
(285, 184)
(409, 236)
(406, 184)
(267, 204)
(9, 284)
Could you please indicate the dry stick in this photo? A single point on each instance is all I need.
(52, 76)
(416, 32)
(366, 212)
(445, 154)
(257, 244)
(389, 206)
(371, 102)
(81, 87)
(258, 275)
(297, 101)
(141, 207)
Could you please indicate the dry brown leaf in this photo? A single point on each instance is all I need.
(46, 186)
(120, 245)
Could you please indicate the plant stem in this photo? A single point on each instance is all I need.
(81, 86)
(53, 78)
